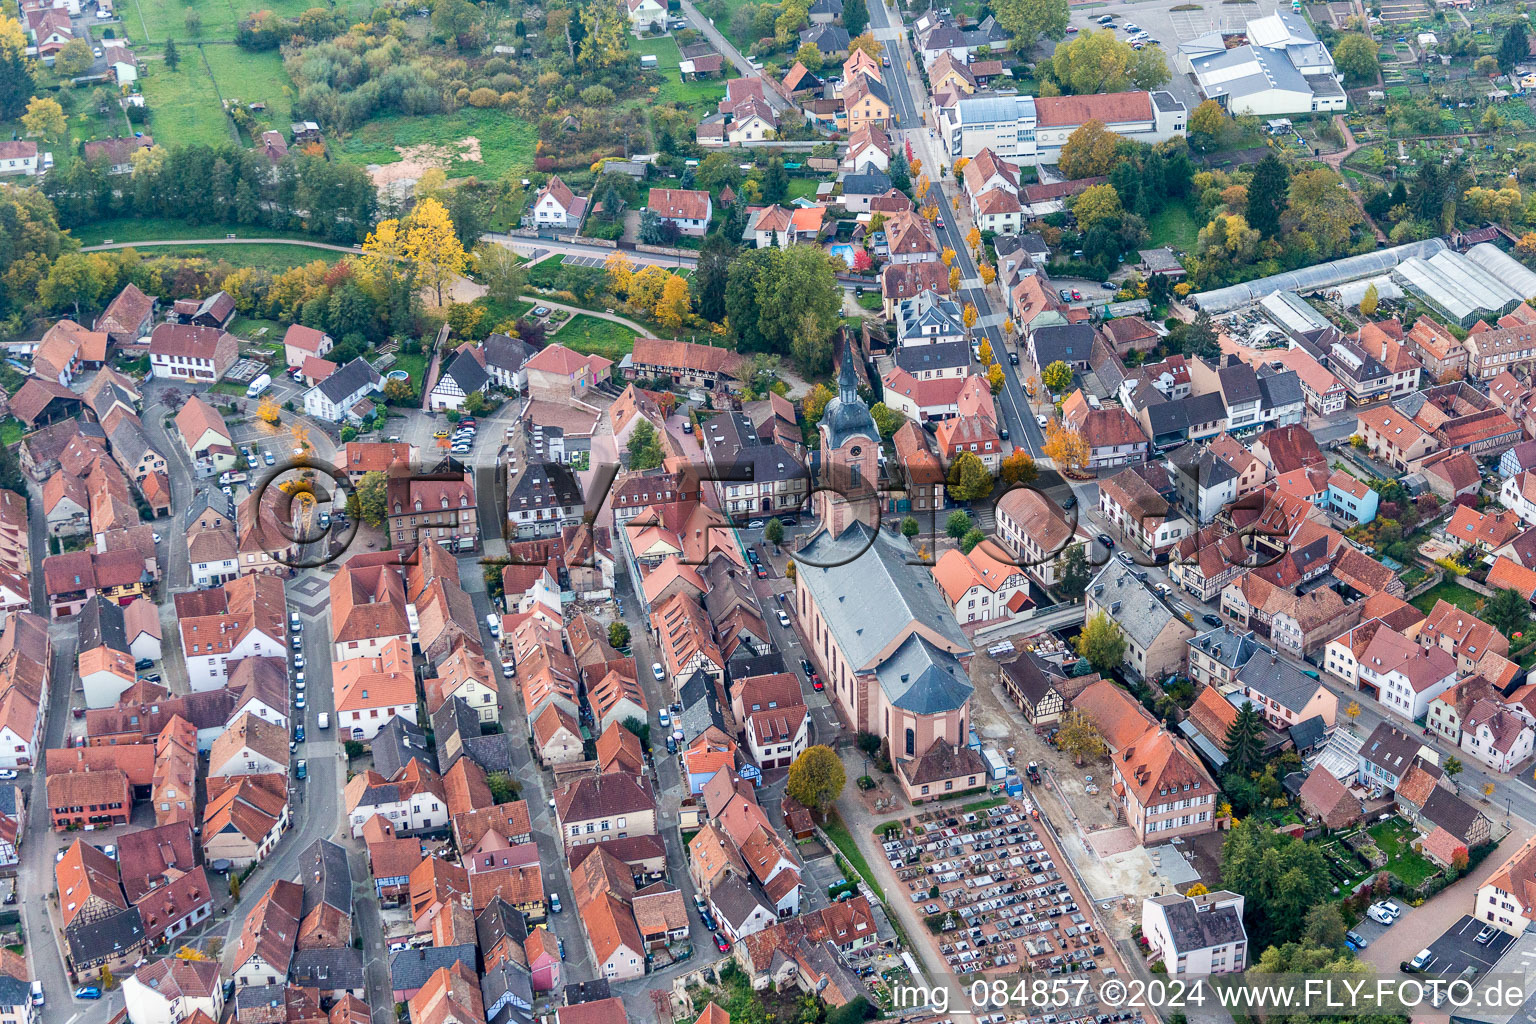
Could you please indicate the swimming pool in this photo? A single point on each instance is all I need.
(845, 253)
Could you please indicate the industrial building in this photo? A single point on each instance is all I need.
(1032, 129)
(1278, 67)
(1319, 278)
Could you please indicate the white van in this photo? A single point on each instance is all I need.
(493, 625)
(37, 993)
(259, 385)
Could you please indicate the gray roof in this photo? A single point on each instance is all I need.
(13, 991)
(348, 379)
(1390, 749)
(1239, 384)
(250, 997)
(207, 498)
(847, 415)
(868, 591)
(1167, 417)
(410, 968)
(832, 7)
(1308, 735)
(1451, 813)
(701, 705)
(1199, 465)
(91, 942)
(1167, 101)
(995, 109)
(755, 665)
(467, 373)
(828, 39)
(330, 968)
(498, 919)
(1227, 647)
(923, 679)
(453, 718)
(1069, 343)
(875, 183)
(735, 901)
(507, 992)
(492, 753)
(397, 743)
(1190, 929)
(129, 441)
(326, 877)
(1278, 388)
(101, 625)
(507, 352)
(1278, 680)
(945, 355)
(1138, 611)
(545, 485)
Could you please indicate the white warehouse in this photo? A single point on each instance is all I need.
(1281, 69)
(1032, 129)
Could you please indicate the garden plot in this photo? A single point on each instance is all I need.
(1397, 12)
(1386, 846)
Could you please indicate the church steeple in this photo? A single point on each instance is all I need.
(847, 380)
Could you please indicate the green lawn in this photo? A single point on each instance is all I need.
(157, 19)
(254, 78)
(1394, 838)
(183, 104)
(1174, 226)
(839, 834)
(414, 364)
(505, 144)
(592, 335)
(803, 188)
(1455, 593)
(266, 256)
(152, 229)
(11, 431)
(666, 84)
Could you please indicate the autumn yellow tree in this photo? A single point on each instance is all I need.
(923, 184)
(988, 273)
(384, 249)
(930, 213)
(968, 317)
(1009, 326)
(269, 411)
(674, 302)
(916, 168)
(1065, 447)
(954, 279)
(948, 256)
(985, 349)
(960, 166)
(44, 118)
(620, 273)
(1019, 467)
(646, 288)
(973, 238)
(433, 246)
(995, 378)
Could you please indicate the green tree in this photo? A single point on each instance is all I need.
(44, 118)
(644, 446)
(371, 501)
(910, 527)
(972, 537)
(1090, 151)
(1207, 125)
(958, 525)
(1028, 21)
(1355, 54)
(1102, 643)
(816, 778)
(710, 276)
(172, 58)
(1073, 572)
(1079, 737)
(1507, 611)
(502, 786)
(1452, 768)
(501, 271)
(1200, 339)
(75, 58)
(775, 297)
(642, 731)
(234, 887)
(1095, 205)
(1057, 377)
(353, 749)
(618, 634)
(1514, 47)
(1324, 927)
(76, 279)
(1245, 741)
(855, 17)
(887, 420)
(1280, 877)
(1266, 196)
(16, 69)
(773, 531)
(969, 478)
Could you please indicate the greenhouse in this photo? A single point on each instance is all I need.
(1504, 267)
(1456, 288)
(1318, 278)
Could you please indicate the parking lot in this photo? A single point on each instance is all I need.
(1170, 28)
(1457, 949)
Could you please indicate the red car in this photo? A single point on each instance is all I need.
(762, 573)
(817, 684)
(721, 944)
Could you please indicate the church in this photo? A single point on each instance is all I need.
(895, 660)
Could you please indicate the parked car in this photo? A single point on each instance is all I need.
(1392, 908)
(298, 732)
(142, 664)
(664, 718)
(1418, 962)
(302, 769)
(1380, 916)
(88, 992)
(783, 618)
(554, 902)
(1357, 939)
(720, 943)
(1210, 619)
(1041, 421)
(671, 744)
(817, 684)
(1106, 540)
(755, 524)
(1484, 935)
(1013, 358)
(760, 570)
(659, 672)
(268, 459)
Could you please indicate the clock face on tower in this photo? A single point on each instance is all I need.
(855, 451)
